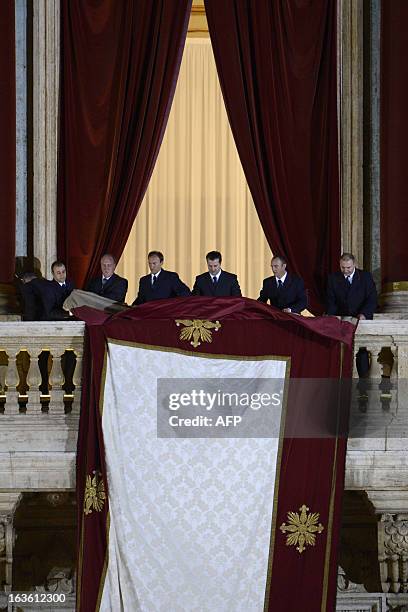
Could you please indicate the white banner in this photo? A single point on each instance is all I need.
(190, 519)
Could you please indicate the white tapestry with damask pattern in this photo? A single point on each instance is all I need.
(190, 519)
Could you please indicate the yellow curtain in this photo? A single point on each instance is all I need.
(198, 199)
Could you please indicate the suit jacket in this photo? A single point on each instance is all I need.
(292, 294)
(351, 300)
(227, 285)
(53, 297)
(32, 294)
(167, 285)
(114, 289)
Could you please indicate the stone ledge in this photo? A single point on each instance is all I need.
(373, 469)
(37, 471)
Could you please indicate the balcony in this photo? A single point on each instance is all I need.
(40, 390)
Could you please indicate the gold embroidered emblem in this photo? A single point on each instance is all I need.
(302, 528)
(94, 493)
(198, 330)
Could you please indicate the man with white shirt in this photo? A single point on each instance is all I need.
(351, 292)
(216, 282)
(109, 285)
(160, 284)
(283, 290)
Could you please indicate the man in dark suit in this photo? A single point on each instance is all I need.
(351, 292)
(159, 284)
(108, 285)
(32, 289)
(55, 292)
(216, 282)
(283, 290)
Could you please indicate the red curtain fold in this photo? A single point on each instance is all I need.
(394, 135)
(7, 140)
(120, 62)
(276, 63)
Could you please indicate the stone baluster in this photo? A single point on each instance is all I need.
(12, 380)
(77, 380)
(57, 380)
(34, 381)
(376, 369)
(394, 369)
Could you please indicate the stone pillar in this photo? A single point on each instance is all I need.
(372, 193)
(46, 58)
(350, 96)
(8, 504)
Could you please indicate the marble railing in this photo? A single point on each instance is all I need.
(40, 393)
(40, 367)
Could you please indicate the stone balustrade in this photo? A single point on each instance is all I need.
(40, 392)
(40, 387)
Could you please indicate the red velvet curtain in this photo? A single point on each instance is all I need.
(394, 136)
(120, 62)
(7, 140)
(276, 63)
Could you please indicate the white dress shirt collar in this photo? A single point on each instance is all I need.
(281, 279)
(217, 276)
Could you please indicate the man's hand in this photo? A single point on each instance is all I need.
(361, 317)
(287, 310)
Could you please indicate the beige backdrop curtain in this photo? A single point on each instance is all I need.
(198, 199)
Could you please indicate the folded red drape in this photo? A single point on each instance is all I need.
(276, 63)
(120, 62)
(7, 140)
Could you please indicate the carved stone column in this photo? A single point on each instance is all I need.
(46, 58)
(350, 96)
(8, 505)
(393, 552)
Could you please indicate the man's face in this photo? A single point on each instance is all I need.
(107, 266)
(59, 274)
(214, 266)
(154, 264)
(347, 266)
(278, 268)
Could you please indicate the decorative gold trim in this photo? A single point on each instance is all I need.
(170, 349)
(105, 565)
(94, 493)
(302, 528)
(197, 329)
(276, 487)
(395, 286)
(331, 503)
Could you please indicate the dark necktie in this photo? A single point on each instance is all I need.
(280, 284)
(214, 279)
(154, 278)
(104, 281)
(349, 279)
